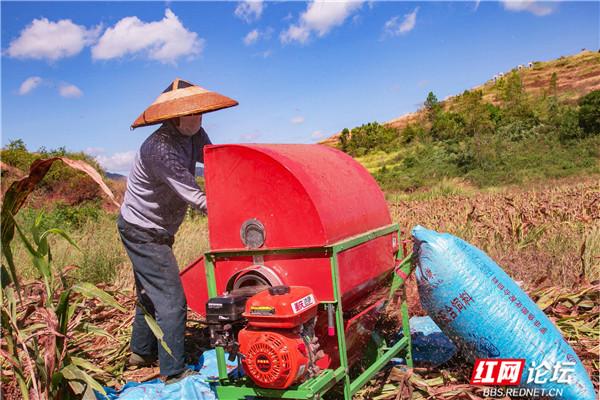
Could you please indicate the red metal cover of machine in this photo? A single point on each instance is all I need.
(303, 194)
(289, 308)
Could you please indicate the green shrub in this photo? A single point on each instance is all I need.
(568, 125)
(448, 125)
(65, 216)
(16, 154)
(367, 138)
(589, 113)
(411, 133)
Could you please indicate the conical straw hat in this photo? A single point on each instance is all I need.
(179, 99)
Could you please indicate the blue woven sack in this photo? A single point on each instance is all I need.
(485, 313)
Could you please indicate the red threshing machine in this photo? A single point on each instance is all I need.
(303, 258)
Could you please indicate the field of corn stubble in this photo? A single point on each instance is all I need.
(546, 237)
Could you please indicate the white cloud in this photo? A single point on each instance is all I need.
(295, 33)
(44, 39)
(297, 120)
(29, 84)
(320, 17)
(118, 162)
(255, 35)
(264, 54)
(249, 10)
(69, 90)
(532, 6)
(251, 37)
(94, 151)
(395, 27)
(317, 135)
(165, 40)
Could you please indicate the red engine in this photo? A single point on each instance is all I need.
(278, 345)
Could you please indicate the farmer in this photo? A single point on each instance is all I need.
(160, 186)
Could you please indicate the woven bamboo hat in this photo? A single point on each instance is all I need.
(182, 98)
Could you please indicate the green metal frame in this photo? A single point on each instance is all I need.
(315, 387)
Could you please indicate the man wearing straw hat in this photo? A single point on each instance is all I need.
(160, 187)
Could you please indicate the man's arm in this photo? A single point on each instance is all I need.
(169, 169)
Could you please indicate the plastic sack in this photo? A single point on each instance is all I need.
(208, 368)
(190, 388)
(487, 315)
(197, 387)
(430, 346)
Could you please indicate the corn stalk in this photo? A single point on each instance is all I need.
(39, 326)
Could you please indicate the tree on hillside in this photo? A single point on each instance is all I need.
(552, 104)
(432, 107)
(589, 113)
(16, 144)
(447, 126)
(372, 136)
(411, 133)
(554, 85)
(15, 153)
(514, 98)
(475, 114)
(344, 139)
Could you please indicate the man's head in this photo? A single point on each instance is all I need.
(189, 124)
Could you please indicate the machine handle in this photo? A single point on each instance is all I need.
(330, 322)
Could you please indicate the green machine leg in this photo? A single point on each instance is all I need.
(406, 329)
(314, 388)
(405, 268)
(339, 326)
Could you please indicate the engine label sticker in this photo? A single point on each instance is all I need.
(263, 363)
(262, 310)
(303, 303)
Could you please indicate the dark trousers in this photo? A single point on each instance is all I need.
(159, 292)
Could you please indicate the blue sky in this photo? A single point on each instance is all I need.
(77, 74)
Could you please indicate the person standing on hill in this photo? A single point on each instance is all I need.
(160, 187)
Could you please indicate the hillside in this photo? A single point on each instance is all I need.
(62, 186)
(531, 124)
(576, 75)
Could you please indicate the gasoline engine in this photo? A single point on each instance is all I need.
(272, 331)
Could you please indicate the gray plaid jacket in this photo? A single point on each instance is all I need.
(162, 181)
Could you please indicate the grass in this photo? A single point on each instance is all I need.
(374, 161)
(444, 188)
(102, 258)
(191, 240)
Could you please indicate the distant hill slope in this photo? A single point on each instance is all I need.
(577, 75)
(115, 176)
(120, 177)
